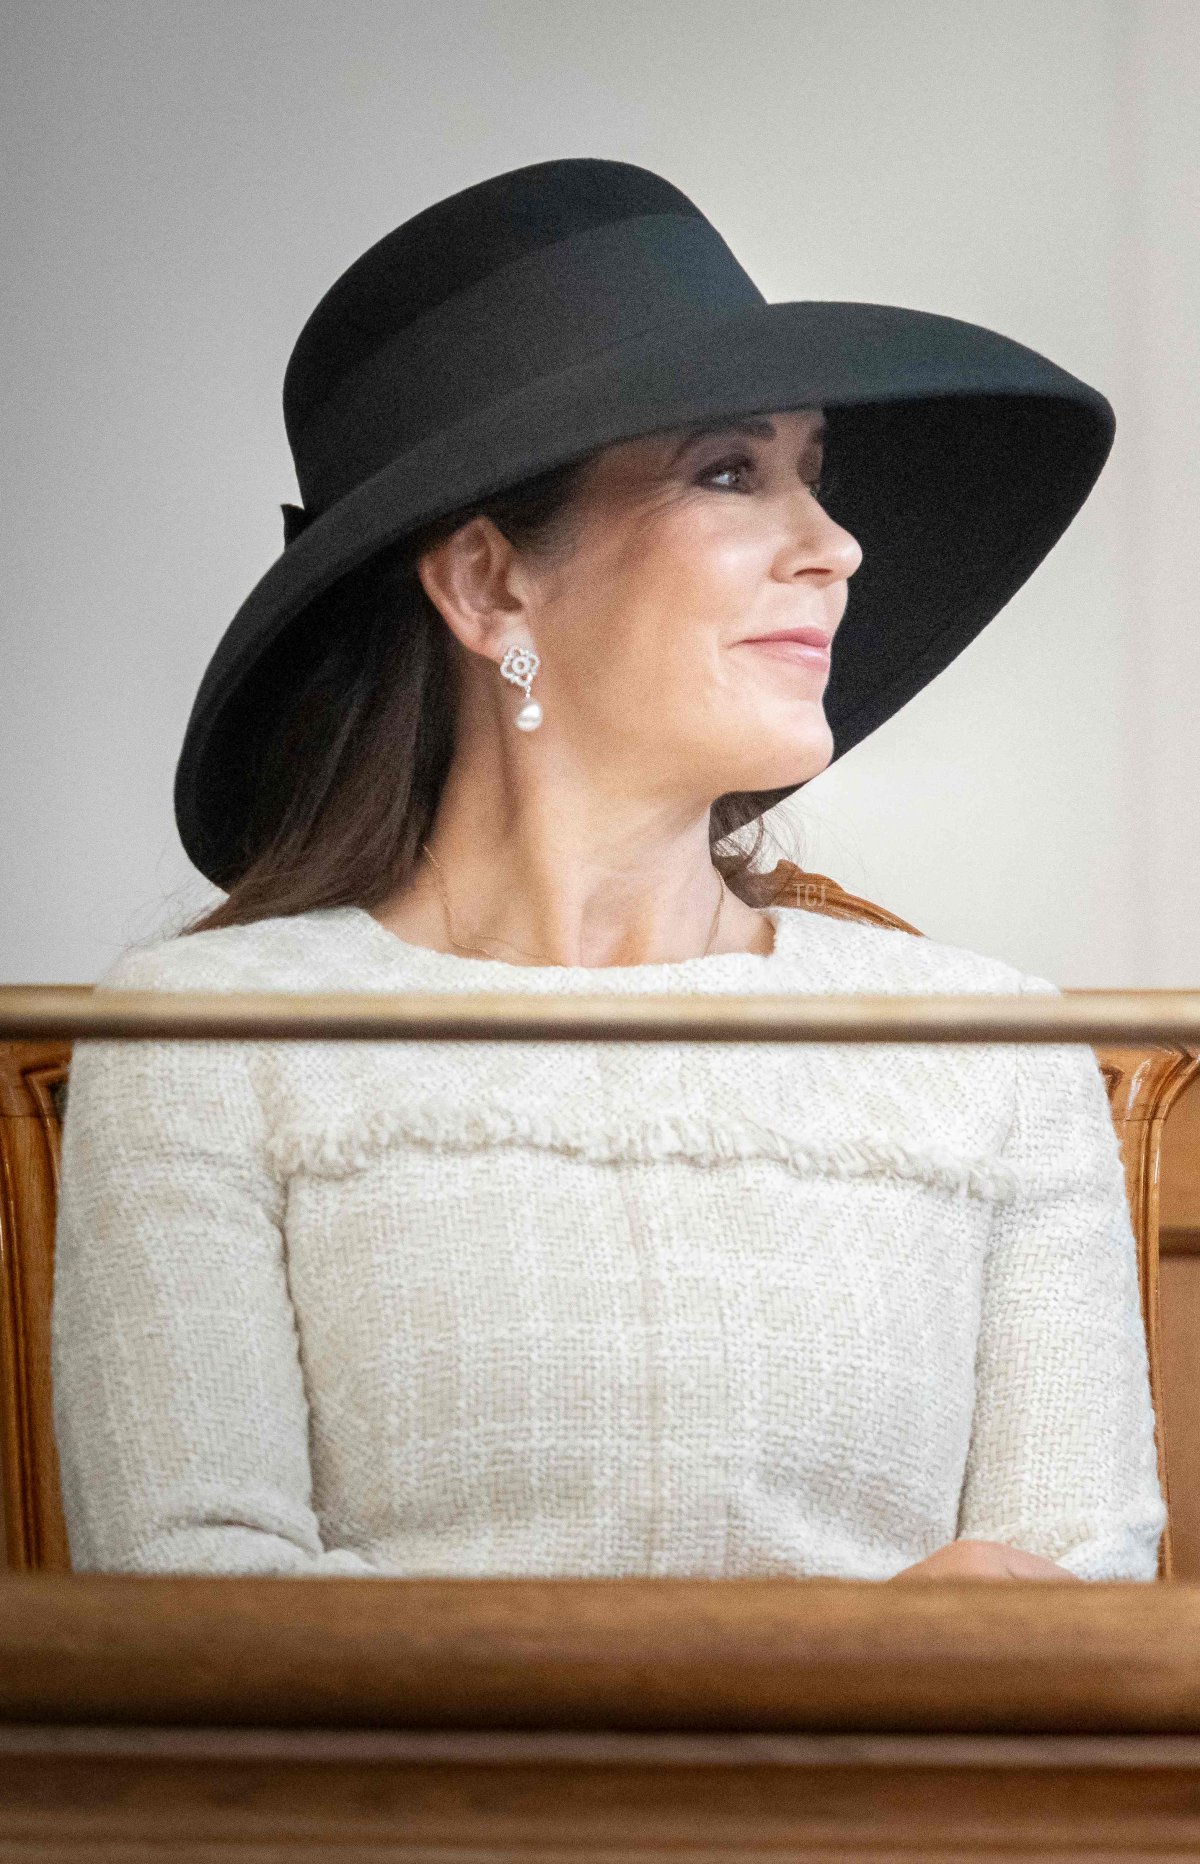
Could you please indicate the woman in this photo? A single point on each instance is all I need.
(554, 1308)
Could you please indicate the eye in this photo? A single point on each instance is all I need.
(735, 462)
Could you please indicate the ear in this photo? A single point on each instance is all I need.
(470, 579)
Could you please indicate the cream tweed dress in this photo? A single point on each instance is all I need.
(497, 1309)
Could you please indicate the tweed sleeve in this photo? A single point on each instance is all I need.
(1062, 1458)
(179, 1401)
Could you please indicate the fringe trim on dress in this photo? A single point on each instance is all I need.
(335, 1149)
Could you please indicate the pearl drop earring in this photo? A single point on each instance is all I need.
(519, 665)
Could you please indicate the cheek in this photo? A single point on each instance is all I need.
(683, 592)
(713, 589)
(717, 562)
(661, 608)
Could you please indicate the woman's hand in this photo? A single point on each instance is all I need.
(983, 1559)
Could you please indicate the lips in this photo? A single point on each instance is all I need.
(806, 647)
(807, 637)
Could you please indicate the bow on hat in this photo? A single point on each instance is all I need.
(295, 520)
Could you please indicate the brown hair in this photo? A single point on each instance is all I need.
(348, 783)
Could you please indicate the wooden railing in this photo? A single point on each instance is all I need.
(614, 1720)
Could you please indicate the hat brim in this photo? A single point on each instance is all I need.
(960, 457)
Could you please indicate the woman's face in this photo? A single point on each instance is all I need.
(691, 545)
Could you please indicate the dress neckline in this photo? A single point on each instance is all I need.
(428, 961)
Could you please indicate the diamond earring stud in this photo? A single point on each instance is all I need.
(519, 665)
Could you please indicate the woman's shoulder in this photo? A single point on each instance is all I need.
(855, 955)
(288, 951)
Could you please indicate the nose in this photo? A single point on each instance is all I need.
(818, 548)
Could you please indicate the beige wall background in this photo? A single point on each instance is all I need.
(182, 179)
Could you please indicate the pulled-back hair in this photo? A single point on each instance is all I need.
(347, 785)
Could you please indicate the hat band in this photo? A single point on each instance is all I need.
(543, 314)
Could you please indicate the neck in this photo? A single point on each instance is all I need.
(541, 889)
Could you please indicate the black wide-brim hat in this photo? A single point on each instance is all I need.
(563, 306)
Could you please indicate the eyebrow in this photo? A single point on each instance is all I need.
(752, 427)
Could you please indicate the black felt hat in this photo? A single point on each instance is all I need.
(560, 307)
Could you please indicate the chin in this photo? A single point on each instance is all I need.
(796, 760)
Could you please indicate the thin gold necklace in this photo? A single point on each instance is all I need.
(441, 887)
